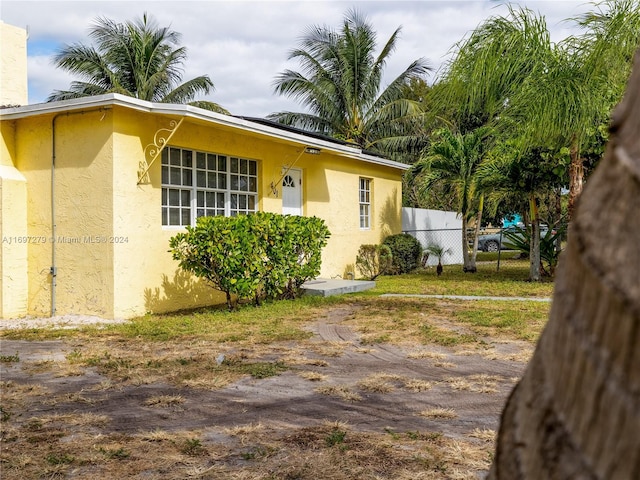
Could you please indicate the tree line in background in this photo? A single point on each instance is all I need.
(513, 123)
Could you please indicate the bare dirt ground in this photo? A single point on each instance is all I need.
(340, 409)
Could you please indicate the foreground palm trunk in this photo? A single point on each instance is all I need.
(576, 412)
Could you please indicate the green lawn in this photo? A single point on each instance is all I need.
(510, 281)
(379, 319)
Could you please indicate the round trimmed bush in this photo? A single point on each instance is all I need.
(406, 252)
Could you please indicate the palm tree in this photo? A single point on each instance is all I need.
(341, 87)
(580, 82)
(137, 59)
(574, 414)
(508, 73)
(612, 35)
(513, 172)
(452, 162)
(438, 251)
(491, 65)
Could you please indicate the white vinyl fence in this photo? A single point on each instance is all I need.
(435, 227)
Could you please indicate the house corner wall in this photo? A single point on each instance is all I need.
(82, 212)
(14, 240)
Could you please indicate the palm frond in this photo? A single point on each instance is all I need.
(185, 92)
(136, 58)
(211, 106)
(340, 82)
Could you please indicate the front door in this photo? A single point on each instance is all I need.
(292, 192)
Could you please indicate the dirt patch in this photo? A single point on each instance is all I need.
(336, 402)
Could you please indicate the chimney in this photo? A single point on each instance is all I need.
(13, 65)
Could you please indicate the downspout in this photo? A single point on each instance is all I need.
(53, 270)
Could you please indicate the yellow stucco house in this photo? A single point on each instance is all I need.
(92, 189)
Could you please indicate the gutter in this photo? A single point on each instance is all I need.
(187, 111)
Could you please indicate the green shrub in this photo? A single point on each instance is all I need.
(406, 252)
(374, 260)
(262, 255)
(293, 247)
(520, 239)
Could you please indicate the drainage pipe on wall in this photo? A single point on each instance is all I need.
(53, 270)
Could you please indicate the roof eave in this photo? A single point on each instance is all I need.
(114, 99)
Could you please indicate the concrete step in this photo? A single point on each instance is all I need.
(327, 287)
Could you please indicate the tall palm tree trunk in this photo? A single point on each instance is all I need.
(576, 176)
(534, 244)
(476, 233)
(576, 412)
(558, 218)
(465, 245)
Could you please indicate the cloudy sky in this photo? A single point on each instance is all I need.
(243, 45)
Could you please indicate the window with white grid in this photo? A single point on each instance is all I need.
(365, 203)
(197, 184)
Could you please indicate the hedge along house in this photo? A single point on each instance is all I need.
(92, 189)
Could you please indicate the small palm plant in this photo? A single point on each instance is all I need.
(438, 251)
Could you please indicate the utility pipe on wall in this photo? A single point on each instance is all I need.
(53, 270)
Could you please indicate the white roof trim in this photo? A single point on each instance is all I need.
(114, 99)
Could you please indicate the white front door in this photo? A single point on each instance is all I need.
(292, 192)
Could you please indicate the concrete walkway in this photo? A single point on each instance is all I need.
(326, 287)
(469, 297)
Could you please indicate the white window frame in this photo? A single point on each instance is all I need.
(364, 200)
(196, 183)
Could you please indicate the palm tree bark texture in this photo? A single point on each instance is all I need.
(575, 414)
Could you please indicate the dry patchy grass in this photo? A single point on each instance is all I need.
(439, 413)
(480, 383)
(388, 382)
(328, 349)
(164, 401)
(329, 450)
(193, 364)
(211, 349)
(341, 391)
(313, 376)
(484, 434)
(446, 323)
(427, 354)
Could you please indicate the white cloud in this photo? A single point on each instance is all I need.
(243, 45)
(42, 76)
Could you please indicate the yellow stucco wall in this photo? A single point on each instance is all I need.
(330, 189)
(13, 67)
(148, 279)
(83, 211)
(331, 192)
(13, 229)
(13, 243)
(111, 249)
(7, 143)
